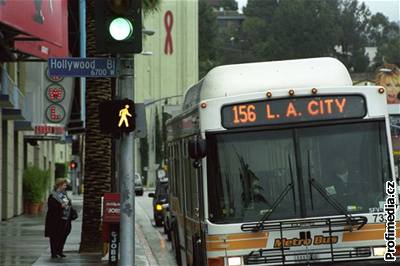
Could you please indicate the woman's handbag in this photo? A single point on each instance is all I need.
(74, 214)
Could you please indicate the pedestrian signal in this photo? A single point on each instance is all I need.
(118, 26)
(117, 116)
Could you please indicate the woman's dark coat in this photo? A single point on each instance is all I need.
(54, 222)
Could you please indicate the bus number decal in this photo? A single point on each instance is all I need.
(244, 113)
(379, 218)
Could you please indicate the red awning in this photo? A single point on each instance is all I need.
(43, 20)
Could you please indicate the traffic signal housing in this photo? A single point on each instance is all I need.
(117, 116)
(118, 26)
(73, 165)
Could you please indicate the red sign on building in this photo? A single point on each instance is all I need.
(45, 20)
(111, 208)
(49, 129)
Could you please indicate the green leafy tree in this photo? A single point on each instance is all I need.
(302, 28)
(377, 29)
(385, 35)
(352, 38)
(228, 4)
(261, 9)
(35, 183)
(289, 29)
(256, 29)
(207, 38)
(389, 52)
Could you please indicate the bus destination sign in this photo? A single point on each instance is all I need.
(292, 110)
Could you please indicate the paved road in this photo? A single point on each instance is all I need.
(157, 241)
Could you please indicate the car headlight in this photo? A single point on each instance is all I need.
(235, 261)
(379, 251)
(158, 207)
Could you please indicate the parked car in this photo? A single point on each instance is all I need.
(160, 200)
(138, 185)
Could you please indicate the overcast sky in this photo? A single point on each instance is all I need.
(390, 8)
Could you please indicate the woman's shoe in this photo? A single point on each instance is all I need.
(54, 256)
(61, 255)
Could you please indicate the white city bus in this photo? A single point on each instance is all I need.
(279, 163)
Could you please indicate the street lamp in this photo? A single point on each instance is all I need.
(147, 53)
(148, 32)
(148, 102)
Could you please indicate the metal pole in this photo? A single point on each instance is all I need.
(82, 28)
(125, 89)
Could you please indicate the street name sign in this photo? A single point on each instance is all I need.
(82, 67)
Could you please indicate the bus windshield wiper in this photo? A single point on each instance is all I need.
(332, 201)
(260, 224)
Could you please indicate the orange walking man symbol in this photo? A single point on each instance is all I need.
(123, 113)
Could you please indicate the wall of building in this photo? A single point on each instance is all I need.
(19, 170)
(62, 152)
(172, 67)
(16, 153)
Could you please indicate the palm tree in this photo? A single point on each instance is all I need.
(98, 152)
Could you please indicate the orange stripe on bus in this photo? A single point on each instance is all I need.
(237, 236)
(363, 235)
(219, 246)
(237, 244)
(214, 237)
(237, 241)
(368, 227)
(244, 236)
(373, 226)
(367, 232)
(371, 232)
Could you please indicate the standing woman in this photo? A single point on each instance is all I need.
(58, 218)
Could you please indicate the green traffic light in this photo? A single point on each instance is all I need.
(120, 29)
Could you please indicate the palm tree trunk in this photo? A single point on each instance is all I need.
(97, 149)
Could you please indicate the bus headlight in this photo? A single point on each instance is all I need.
(158, 207)
(233, 261)
(379, 251)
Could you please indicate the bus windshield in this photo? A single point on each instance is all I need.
(248, 171)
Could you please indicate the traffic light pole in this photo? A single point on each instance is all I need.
(125, 89)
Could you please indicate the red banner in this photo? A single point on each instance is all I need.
(46, 20)
(111, 208)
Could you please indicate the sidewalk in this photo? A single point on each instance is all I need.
(71, 248)
(22, 243)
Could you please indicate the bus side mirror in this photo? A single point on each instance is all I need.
(197, 148)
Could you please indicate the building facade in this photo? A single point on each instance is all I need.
(39, 32)
(166, 68)
(19, 146)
